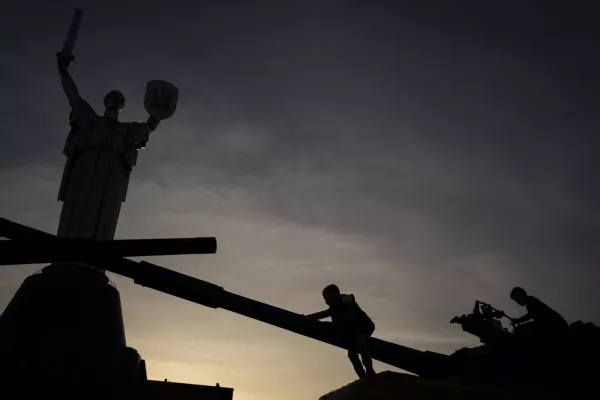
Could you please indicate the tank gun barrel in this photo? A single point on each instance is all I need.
(79, 250)
(31, 246)
(14, 231)
(423, 363)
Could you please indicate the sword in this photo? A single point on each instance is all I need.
(67, 50)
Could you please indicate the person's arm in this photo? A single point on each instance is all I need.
(68, 84)
(522, 319)
(320, 314)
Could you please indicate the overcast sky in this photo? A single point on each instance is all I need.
(420, 156)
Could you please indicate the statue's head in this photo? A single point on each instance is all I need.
(114, 101)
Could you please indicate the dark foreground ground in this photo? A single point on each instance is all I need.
(391, 385)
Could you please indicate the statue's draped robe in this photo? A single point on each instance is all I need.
(100, 154)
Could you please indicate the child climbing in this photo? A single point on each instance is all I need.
(354, 323)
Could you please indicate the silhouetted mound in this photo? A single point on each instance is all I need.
(391, 385)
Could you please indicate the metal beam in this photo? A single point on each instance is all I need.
(78, 250)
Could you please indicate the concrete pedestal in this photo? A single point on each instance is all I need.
(62, 336)
(65, 323)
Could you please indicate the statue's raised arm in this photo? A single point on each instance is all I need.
(160, 102)
(68, 84)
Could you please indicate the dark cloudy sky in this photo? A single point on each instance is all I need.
(420, 155)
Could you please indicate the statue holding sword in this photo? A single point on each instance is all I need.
(101, 151)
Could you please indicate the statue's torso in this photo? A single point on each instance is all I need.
(100, 155)
(92, 131)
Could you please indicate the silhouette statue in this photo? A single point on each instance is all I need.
(101, 151)
(355, 325)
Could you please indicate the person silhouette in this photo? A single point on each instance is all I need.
(545, 321)
(355, 324)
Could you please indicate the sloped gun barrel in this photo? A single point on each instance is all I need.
(423, 363)
(15, 231)
(426, 364)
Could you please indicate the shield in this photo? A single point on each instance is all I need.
(161, 99)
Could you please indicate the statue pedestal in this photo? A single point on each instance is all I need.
(62, 336)
(65, 324)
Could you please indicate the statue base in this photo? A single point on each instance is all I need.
(65, 324)
(62, 336)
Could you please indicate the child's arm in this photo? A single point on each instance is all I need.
(522, 319)
(320, 314)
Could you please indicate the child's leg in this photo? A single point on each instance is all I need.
(362, 346)
(353, 356)
(358, 367)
